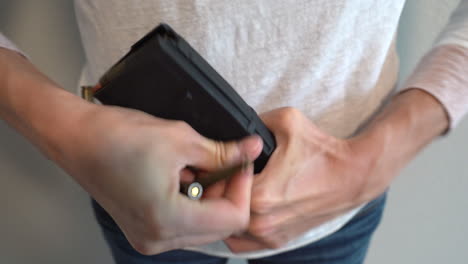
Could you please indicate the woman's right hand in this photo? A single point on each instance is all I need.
(132, 164)
(129, 161)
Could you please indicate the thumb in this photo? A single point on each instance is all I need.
(212, 155)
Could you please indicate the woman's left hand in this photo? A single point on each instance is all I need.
(311, 178)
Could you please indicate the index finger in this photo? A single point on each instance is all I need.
(227, 214)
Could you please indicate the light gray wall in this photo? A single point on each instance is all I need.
(427, 215)
(46, 218)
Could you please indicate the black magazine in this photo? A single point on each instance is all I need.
(164, 76)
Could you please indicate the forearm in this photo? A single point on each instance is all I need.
(410, 122)
(34, 105)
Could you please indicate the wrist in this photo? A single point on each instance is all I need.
(56, 121)
(411, 121)
(35, 106)
(368, 150)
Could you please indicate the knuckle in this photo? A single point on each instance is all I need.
(258, 231)
(289, 117)
(290, 114)
(262, 202)
(221, 154)
(261, 205)
(182, 132)
(262, 227)
(182, 126)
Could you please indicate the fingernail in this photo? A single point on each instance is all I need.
(252, 146)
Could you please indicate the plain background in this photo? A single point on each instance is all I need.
(46, 217)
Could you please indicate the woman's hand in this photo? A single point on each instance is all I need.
(311, 178)
(132, 164)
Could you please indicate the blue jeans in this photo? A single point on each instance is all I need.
(346, 246)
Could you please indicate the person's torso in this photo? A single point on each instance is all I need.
(332, 59)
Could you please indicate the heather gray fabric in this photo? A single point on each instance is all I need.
(272, 52)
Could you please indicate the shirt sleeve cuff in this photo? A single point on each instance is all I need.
(443, 74)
